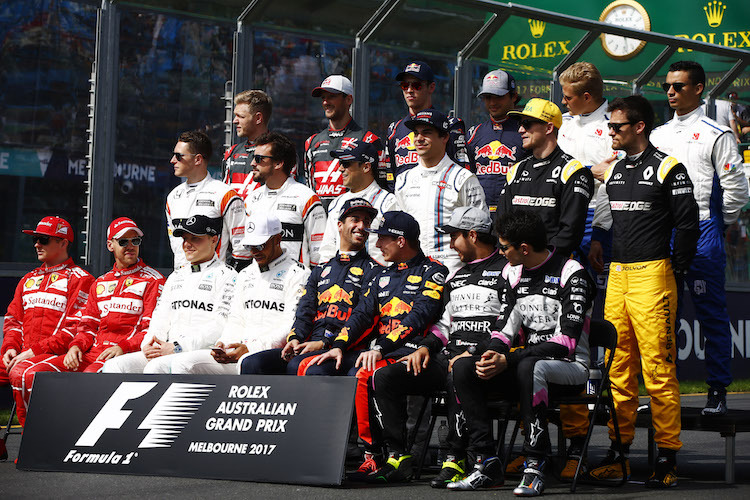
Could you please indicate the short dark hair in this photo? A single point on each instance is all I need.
(484, 238)
(281, 149)
(198, 143)
(522, 226)
(694, 70)
(636, 108)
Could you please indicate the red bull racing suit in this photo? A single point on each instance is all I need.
(648, 197)
(404, 299)
(493, 147)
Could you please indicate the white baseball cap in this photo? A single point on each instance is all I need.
(338, 84)
(260, 227)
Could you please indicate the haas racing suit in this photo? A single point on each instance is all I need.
(493, 147)
(379, 198)
(117, 313)
(401, 154)
(558, 188)
(260, 317)
(237, 168)
(709, 152)
(430, 195)
(191, 313)
(42, 317)
(651, 202)
(302, 216)
(214, 199)
(403, 300)
(322, 171)
(328, 299)
(472, 305)
(542, 331)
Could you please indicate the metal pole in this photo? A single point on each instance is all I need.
(101, 158)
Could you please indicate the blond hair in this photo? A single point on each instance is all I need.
(584, 77)
(258, 101)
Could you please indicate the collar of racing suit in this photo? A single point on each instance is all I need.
(486, 258)
(413, 262)
(345, 127)
(688, 119)
(596, 114)
(129, 270)
(59, 267)
(198, 185)
(196, 268)
(551, 250)
(543, 162)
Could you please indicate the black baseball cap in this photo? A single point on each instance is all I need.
(417, 69)
(429, 117)
(396, 223)
(356, 150)
(198, 225)
(354, 204)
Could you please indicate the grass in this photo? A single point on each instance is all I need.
(687, 387)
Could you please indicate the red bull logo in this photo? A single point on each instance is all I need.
(406, 143)
(395, 307)
(495, 150)
(334, 295)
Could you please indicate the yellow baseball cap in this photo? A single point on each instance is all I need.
(541, 109)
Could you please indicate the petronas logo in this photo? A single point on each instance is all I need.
(537, 27)
(714, 13)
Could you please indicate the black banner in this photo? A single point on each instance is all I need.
(275, 429)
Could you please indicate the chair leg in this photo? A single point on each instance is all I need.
(618, 438)
(6, 431)
(423, 455)
(584, 451)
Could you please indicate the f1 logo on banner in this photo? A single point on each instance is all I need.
(248, 428)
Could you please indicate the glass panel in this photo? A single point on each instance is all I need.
(288, 66)
(386, 102)
(172, 76)
(221, 10)
(336, 17)
(46, 51)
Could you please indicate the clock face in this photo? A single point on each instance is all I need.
(628, 14)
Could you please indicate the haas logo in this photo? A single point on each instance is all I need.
(165, 421)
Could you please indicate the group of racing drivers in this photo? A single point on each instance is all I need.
(433, 260)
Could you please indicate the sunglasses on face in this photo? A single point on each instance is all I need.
(260, 158)
(123, 242)
(413, 85)
(526, 124)
(42, 240)
(503, 248)
(678, 86)
(180, 156)
(617, 126)
(257, 248)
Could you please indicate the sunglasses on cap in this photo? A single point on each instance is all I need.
(678, 86)
(414, 85)
(123, 242)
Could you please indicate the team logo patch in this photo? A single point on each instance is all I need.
(414, 279)
(356, 271)
(325, 272)
(383, 282)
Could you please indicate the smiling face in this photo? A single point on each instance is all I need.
(498, 105)
(464, 246)
(428, 142)
(533, 133)
(352, 231)
(335, 104)
(199, 249)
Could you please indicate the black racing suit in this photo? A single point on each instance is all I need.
(542, 331)
(472, 305)
(559, 189)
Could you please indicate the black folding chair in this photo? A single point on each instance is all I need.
(8, 430)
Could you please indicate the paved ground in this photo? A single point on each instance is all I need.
(701, 471)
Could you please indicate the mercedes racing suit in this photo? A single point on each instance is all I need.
(191, 313)
(261, 314)
(379, 198)
(558, 188)
(211, 198)
(42, 317)
(709, 152)
(401, 154)
(472, 305)
(117, 313)
(649, 197)
(430, 195)
(328, 299)
(404, 300)
(493, 147)
(237, 168)
(322, 171)
(302, 216)
(542, 331)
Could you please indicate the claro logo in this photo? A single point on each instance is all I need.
(165, 421)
